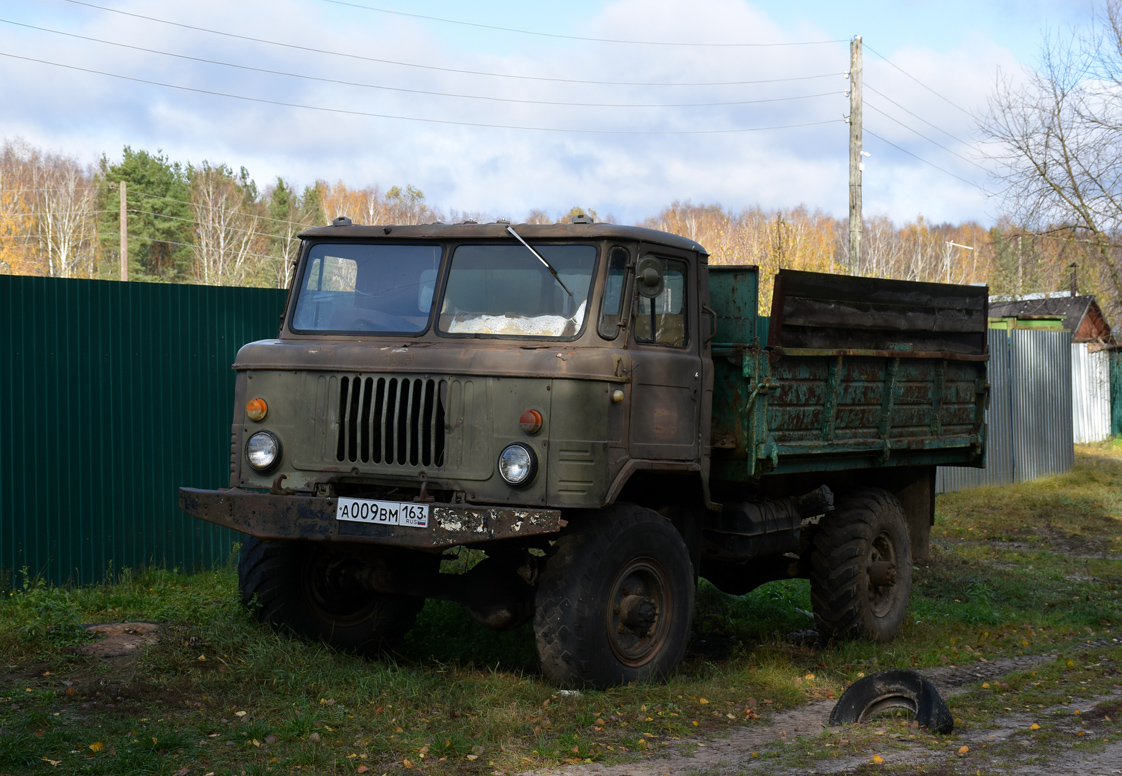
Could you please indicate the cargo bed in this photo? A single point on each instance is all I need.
(847, 373)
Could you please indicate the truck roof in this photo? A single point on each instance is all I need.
(498, 230)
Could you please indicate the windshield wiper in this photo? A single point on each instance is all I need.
(539, 258)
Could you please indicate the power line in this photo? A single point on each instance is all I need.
(225, 210)
(69, 213)
(280, 103)
(909, 75)
(141, 239)
(920, 158)
(914, 115)
(577, 37)
(434, 67)
(197, 223)
(146, 195)
(416, 91)
(925, 137)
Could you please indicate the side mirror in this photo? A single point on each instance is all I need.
(648, 277)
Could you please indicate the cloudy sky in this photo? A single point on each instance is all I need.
(499, 107)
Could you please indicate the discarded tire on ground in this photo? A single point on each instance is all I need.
(894, 689)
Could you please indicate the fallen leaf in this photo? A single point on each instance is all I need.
(362, 769)
(314, 737)
(702, 700)
(1034, 726)
(202, 658)
(240, 713)
(407, 763)
(327, 701)
(963, 749)
(878, 759)
(270, 739)
(473, 757)
(96, 746)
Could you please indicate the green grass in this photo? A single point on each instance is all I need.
(1026, 569)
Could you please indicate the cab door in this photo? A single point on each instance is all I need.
(666, 367)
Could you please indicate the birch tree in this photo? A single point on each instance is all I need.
(1058, 137)
(227, 242)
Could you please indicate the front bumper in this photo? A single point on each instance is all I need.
(269, 516)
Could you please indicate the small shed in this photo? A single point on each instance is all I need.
(1080, 315)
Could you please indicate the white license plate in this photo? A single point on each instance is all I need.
(361, 510)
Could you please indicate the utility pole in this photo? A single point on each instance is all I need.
(124, 234)
(855, 164)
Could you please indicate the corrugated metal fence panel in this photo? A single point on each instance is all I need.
(1090, 393)
(1041, 382)
(113, 395)
(999, 435)
(1116, 392)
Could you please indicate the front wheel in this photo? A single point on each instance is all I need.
(304, 588)
(615, 601)
(861, 567)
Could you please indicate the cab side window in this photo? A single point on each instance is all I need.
(612, 305)
(662, 320)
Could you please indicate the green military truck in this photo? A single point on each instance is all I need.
(604, 417)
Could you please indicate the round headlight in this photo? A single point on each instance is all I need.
(518, 464)
(262, 450)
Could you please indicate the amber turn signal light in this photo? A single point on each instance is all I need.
(256, 409)
(531, 421)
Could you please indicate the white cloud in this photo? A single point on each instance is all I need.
(506, 171)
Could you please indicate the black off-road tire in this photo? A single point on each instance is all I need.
(896, 688)
(614, 603)
(867, 526)
(288, 586)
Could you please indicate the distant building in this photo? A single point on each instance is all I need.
(1080, 315)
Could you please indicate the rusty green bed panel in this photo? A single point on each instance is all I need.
(814, 310)
(858, 372)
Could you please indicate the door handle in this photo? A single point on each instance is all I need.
(709, 311)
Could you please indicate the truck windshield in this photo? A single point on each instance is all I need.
(504, 290)
(350, 287)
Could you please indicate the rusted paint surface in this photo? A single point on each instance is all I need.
(268, 516)
(857, 372)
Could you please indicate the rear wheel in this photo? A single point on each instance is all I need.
(861, 567)
(304, 588)
(615, 601)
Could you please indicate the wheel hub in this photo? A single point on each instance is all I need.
(637, 617)
(881, 574)
(638, 613)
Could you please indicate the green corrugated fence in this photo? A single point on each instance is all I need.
(1115, 392)
(112, 395)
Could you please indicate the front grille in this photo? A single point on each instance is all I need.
(390, 420)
